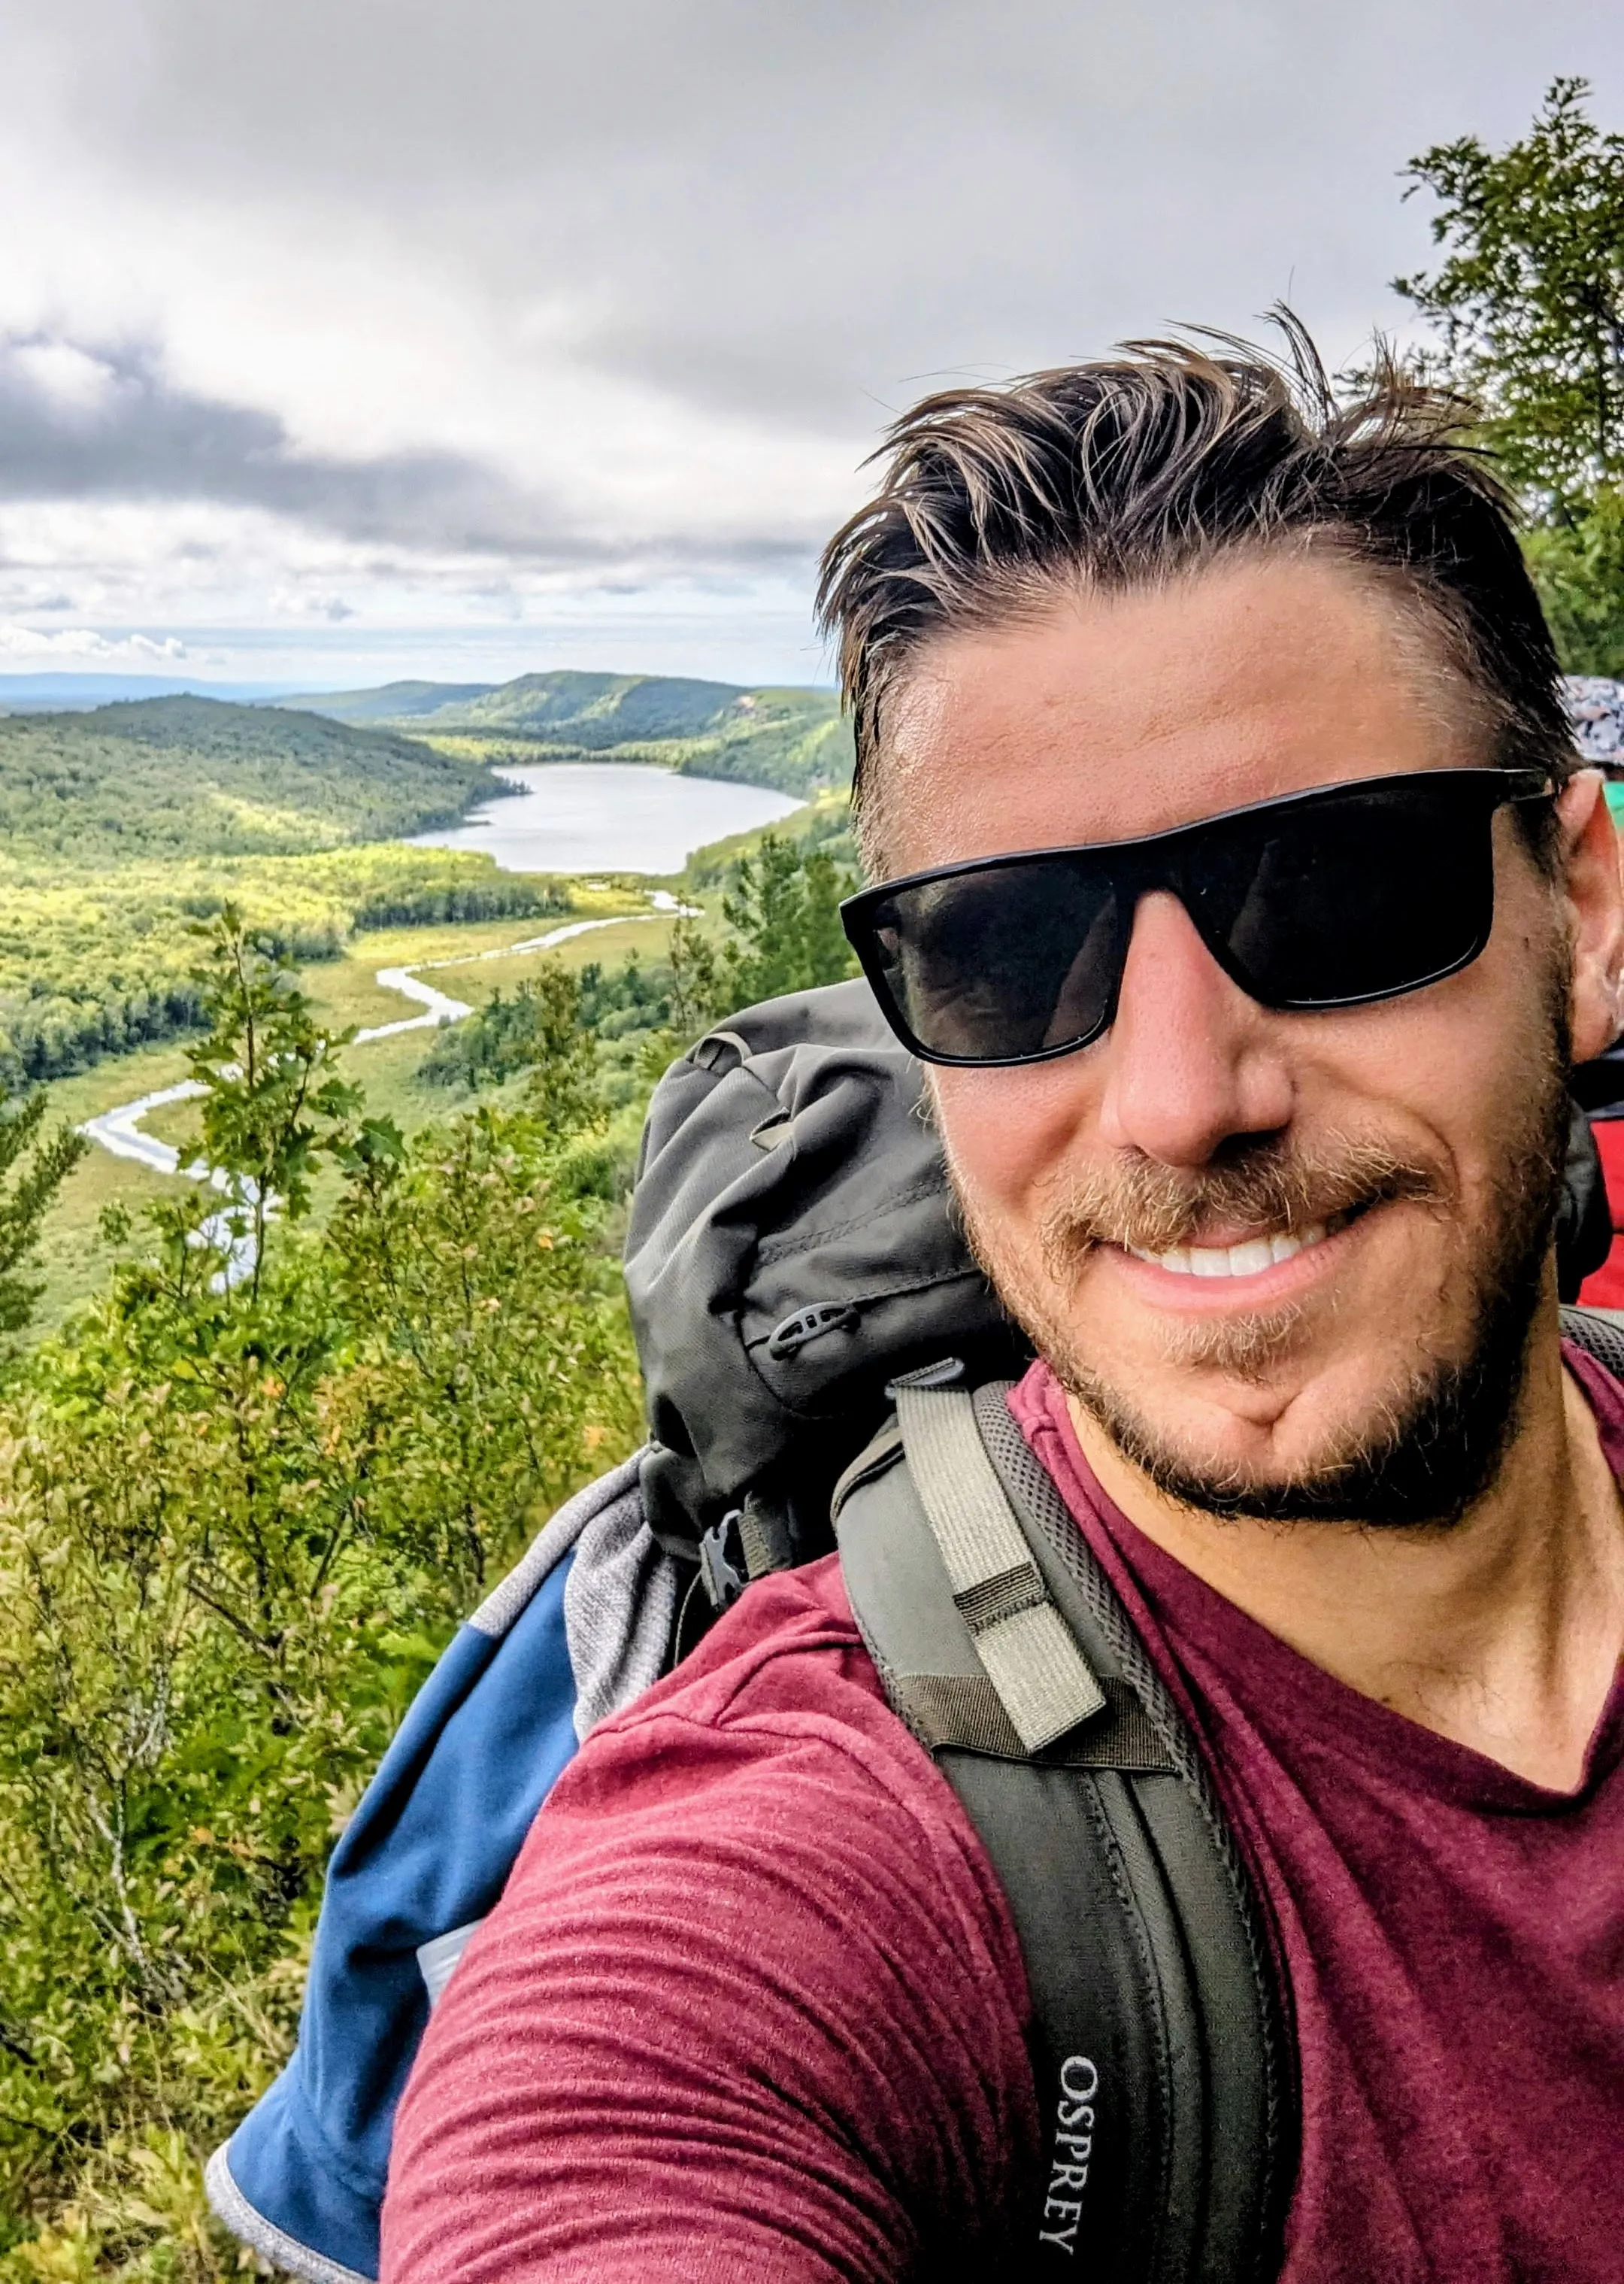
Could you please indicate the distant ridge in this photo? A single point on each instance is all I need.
(793, 741)
(391, 701)
(71, 693)
(587, 709)
(596, 710)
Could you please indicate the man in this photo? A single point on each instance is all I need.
(1257, 1130)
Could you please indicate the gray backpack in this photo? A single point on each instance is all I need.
(826, 1363)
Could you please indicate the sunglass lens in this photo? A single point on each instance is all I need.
(1345, 899)
(1003, 965)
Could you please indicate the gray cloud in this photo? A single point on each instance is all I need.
(782, 221)
(126, 432)
(795, 211)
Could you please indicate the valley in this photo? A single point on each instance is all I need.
(124, 828)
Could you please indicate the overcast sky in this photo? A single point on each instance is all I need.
(347, 338)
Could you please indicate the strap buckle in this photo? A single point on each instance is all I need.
(724, 1579)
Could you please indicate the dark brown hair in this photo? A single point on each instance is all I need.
(1153, 463)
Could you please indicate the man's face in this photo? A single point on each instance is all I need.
(1342, 1202)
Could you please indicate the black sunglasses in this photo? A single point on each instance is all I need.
(1330, 898)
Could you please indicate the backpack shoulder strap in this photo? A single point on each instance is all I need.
(1165, 2087)
(1600, 1332)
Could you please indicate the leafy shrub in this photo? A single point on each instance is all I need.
(239, 1519)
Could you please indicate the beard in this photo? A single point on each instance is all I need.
(1428, 1444)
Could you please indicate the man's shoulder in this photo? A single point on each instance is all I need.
(769, 1769)
(789, 1638)
(780, 1703)
(753, 1910)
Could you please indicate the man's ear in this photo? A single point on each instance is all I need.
(1593, 887)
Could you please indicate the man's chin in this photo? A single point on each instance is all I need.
(1211, 1457)
(1259, 1348)
(1415, 1454)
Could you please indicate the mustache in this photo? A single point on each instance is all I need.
(1273, 1184)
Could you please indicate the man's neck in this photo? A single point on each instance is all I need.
(1503, 1632)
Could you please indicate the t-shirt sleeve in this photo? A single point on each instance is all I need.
(752, 2006)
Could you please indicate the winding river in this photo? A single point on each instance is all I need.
(120, 1132)
(561, 818)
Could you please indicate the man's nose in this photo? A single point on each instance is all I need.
(1191, 1061)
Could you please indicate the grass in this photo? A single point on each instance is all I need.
(74, 1258)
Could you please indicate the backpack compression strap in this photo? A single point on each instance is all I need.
(1164, 2084)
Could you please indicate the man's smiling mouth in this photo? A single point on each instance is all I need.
(1249, 1258)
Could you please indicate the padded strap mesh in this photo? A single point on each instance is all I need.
(1600, 1332)
(1042, 1678)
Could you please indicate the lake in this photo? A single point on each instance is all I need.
(608, 817)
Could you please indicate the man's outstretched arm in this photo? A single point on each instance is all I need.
(752, 2005)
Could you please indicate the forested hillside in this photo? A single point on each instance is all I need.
(182, 776)
(121, 828)
(793, 741)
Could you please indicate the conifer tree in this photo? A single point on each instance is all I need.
(33, 1169)
(273, 1103)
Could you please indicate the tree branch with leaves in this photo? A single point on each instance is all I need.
(1528, 307)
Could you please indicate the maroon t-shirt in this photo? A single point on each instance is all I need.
(751, 2003)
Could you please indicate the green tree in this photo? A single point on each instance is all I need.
(697, 994)
(1577, 565)
(540, 1029)
(1528, 305)
(273, 1103)
(783, 907)
(33, 1169)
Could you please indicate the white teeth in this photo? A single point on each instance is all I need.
(1247, 1260)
